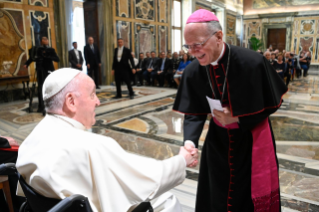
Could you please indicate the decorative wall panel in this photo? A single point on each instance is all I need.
(13, 1)
(317, 51)
(306, 44)
(12, 42)
(254, 29)
(307, 27)
(231, 30)
(162, 38)
(145, 38)
(123, 30)
(43, 3)
(163, 11)
(306, 38)
(123, 8)
(40, 26)
(144, 9)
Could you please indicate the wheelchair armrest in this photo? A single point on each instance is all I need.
(75, 202)
(8, 169)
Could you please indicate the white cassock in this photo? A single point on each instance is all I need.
(59, 158)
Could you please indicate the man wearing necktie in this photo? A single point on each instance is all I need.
(93, 60)
(163, 70)
(151, 65)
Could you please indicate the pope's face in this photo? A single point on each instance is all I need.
(197, 33)
(86, 103)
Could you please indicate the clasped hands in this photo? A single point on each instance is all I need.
(190, 153)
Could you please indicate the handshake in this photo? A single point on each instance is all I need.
(190, 153)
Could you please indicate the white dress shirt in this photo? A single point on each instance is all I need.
(119, 53)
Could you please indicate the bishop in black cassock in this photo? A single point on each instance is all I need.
(239, 167)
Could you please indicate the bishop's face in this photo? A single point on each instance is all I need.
(198, 33)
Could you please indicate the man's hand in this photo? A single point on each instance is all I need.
(79, 65)
(133, 71)
(191, 161)
(149, 70)
(99, 64)
(11, 141)
(25, 66)
(88, 65)
(225, 117)
(112, 72)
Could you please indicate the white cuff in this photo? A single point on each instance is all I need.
(189, 142)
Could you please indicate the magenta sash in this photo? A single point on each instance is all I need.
(264, 172)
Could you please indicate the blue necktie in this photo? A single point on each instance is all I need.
(163, 63)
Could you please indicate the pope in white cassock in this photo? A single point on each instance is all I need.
(60, 158)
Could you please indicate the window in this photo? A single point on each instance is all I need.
(177, 26)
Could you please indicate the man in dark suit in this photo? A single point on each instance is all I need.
(93, 60)
(75, 57)
(163, 70)
(44, 57)
(149, 68)
(141, 66)
(121, 68)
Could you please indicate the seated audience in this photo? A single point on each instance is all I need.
(180, 69)
(163, 70)
(280, 66)
(60, 158)
(267, 55)
(149, 68)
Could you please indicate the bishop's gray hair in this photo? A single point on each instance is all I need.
(213, 26)
(55, 103)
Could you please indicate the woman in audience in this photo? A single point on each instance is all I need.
(180, 69)
(280, 65)
(304, 62)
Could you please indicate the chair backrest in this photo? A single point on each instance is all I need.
(74, 203)
(36, 201)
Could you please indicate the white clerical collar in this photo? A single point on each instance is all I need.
(215, 63)
(70, 121)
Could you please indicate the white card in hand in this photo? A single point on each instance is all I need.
(214, 104)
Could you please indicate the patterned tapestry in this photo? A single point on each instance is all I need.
(40, 26)
(123, 8)
(145, 38)
(12, 42)
(123, 30)
(162, 38)
(144, 9)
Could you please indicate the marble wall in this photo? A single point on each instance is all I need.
(22, 24)
(143, 24)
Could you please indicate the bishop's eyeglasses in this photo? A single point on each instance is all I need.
(196, 45)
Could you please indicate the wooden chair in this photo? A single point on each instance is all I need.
(4, 185)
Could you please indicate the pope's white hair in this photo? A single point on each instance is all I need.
(55, 103)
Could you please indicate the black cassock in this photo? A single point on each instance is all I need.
(239, 167)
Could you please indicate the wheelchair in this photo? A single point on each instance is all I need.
(37, 203)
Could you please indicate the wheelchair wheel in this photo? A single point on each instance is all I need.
(25, 207)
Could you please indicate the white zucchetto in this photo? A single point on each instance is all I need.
(57, 80)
